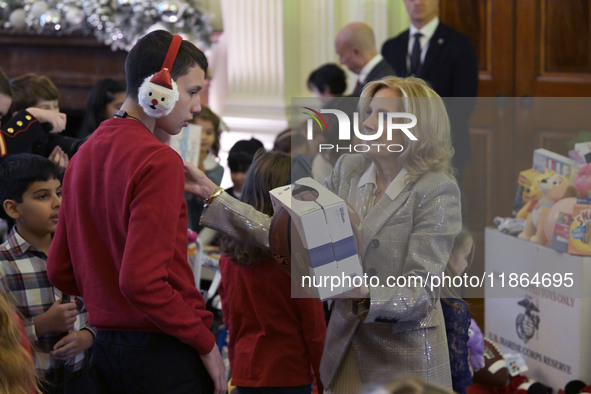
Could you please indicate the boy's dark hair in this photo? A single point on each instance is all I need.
(329, 75)
(241, 154)
(102, 93)
(28, 89)
(19, 171)
(147, 56)
(5, 85)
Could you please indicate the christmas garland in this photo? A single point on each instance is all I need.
(117, 23)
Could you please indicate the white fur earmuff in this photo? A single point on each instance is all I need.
(158, 94)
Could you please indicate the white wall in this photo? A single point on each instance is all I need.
(267, 50)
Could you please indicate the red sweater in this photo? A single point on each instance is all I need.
(275, 340)
(121, 239)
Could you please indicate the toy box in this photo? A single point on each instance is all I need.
(580, 228)
(562, 165)
(323, 223)
(548, 323)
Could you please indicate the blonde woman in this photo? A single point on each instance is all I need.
(409, 203)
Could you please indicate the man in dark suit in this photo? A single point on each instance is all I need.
(356, 46)
(446, 59)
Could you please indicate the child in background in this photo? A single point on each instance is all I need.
(457, 314)
(32, 90)
(327, 81)
(211, 129)
(5, 95)
(239, 161)
(276, 341)
(30, 192)
(295, 144)
(26, 129)
(104, 98)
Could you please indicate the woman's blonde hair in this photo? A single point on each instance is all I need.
(432, 152)
(17, 368)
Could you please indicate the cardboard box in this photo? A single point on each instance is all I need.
(580, 228)
(562, 165)
(553, 337)
(561, 235)
(322, 221)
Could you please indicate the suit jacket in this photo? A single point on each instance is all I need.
(410, 235)
(451, 68)
(381, 70)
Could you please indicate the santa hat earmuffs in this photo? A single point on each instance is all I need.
(158, 93)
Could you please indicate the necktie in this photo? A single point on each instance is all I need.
(415, 55)
(357, 85)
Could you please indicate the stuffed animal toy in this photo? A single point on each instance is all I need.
(553, 187)
(476, 346)
(523, 385)
(530, 181)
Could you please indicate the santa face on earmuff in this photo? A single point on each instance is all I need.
(158, 94)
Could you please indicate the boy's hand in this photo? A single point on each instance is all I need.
(59, 158)
(217, 370)
(58, 318)
(56, 119)
(196, 182)
(72, 344)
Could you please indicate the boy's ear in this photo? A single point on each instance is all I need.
(11, 208)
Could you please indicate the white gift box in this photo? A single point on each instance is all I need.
(324, 226)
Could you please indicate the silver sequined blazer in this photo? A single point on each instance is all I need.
(402, 332)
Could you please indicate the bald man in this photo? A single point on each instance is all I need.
(356, 46)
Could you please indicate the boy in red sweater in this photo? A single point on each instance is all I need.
(121, 241)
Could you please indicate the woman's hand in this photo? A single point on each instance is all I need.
(197, 183)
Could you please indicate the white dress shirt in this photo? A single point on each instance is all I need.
(427, 32)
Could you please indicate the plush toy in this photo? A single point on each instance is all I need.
(191, 236)
(530, 181)
(553, 187)
(523, 385)
(582, 181)
(476, 346)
